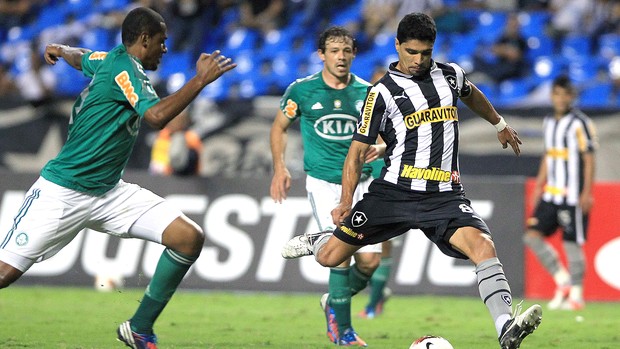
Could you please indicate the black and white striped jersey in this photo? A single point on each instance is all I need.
(566, 139)
(418, 120)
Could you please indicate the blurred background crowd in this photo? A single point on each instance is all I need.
(511, 49)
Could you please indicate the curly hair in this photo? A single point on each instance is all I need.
(140, 20)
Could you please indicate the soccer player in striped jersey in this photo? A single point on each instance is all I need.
(414, 110)
(327, 104)
(82, 186)
(563, 194)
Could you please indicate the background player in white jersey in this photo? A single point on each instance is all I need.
(563, 194)
(82, 186)
(413, 109)
(327, 105)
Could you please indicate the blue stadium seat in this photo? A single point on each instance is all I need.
(609, 46)
(538, 46)
(240, 40)
(534, 23)
(347, 15)
(490, 26)
(50, 16)
(97, 39)
(576, 46)
(598, 95)
(276, 42)
(582, 70)
(175, 62)
(513, 90)
(462, 46)
(548, 67)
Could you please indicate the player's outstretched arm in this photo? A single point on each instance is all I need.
(479, 104)
(72, 55)
(209, 67)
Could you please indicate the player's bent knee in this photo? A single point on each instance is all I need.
(367, 263)
(329, 258)
(184, 236)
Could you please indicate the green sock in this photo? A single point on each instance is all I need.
(357, 280)
(340, 297)
(378, 281)
(169, 273)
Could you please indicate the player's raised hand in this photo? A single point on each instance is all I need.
(52, 53)
(510, 136)
(209, 67)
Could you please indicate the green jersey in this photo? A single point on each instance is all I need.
(104, 123)
(328, 118)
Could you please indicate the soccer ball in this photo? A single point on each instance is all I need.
(431, 342)
(107, 282)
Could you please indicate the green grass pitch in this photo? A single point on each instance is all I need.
(50, 317)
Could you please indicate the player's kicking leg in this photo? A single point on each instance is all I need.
(183, 240)
(328, 250)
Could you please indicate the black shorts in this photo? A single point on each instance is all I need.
(386, 212)
(548, 217)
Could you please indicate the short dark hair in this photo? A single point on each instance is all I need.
(416, 26)
(564, 82)
(335, 32)
(140, 20)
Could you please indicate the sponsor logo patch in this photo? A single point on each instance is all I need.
(123, 81)
(97, 56)
(351, 233)
(364, 125)
(428, 174)
(335, 126)
(426, 116)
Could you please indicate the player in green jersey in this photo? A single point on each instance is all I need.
(82, 186)
(327, 105)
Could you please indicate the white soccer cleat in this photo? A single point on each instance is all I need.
(561, 294)
(301, 245)
(297, 247)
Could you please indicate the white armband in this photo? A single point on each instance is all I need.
(501, 125)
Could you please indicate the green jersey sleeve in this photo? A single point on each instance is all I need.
(91, 61)
(290, 103)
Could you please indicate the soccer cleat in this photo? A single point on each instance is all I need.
(350, 338)
(572, 304)
(135, 340)
(369, 312)
(387, 293)
(561, 294)
(520, 326)
(301, 245)
(330, 318)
